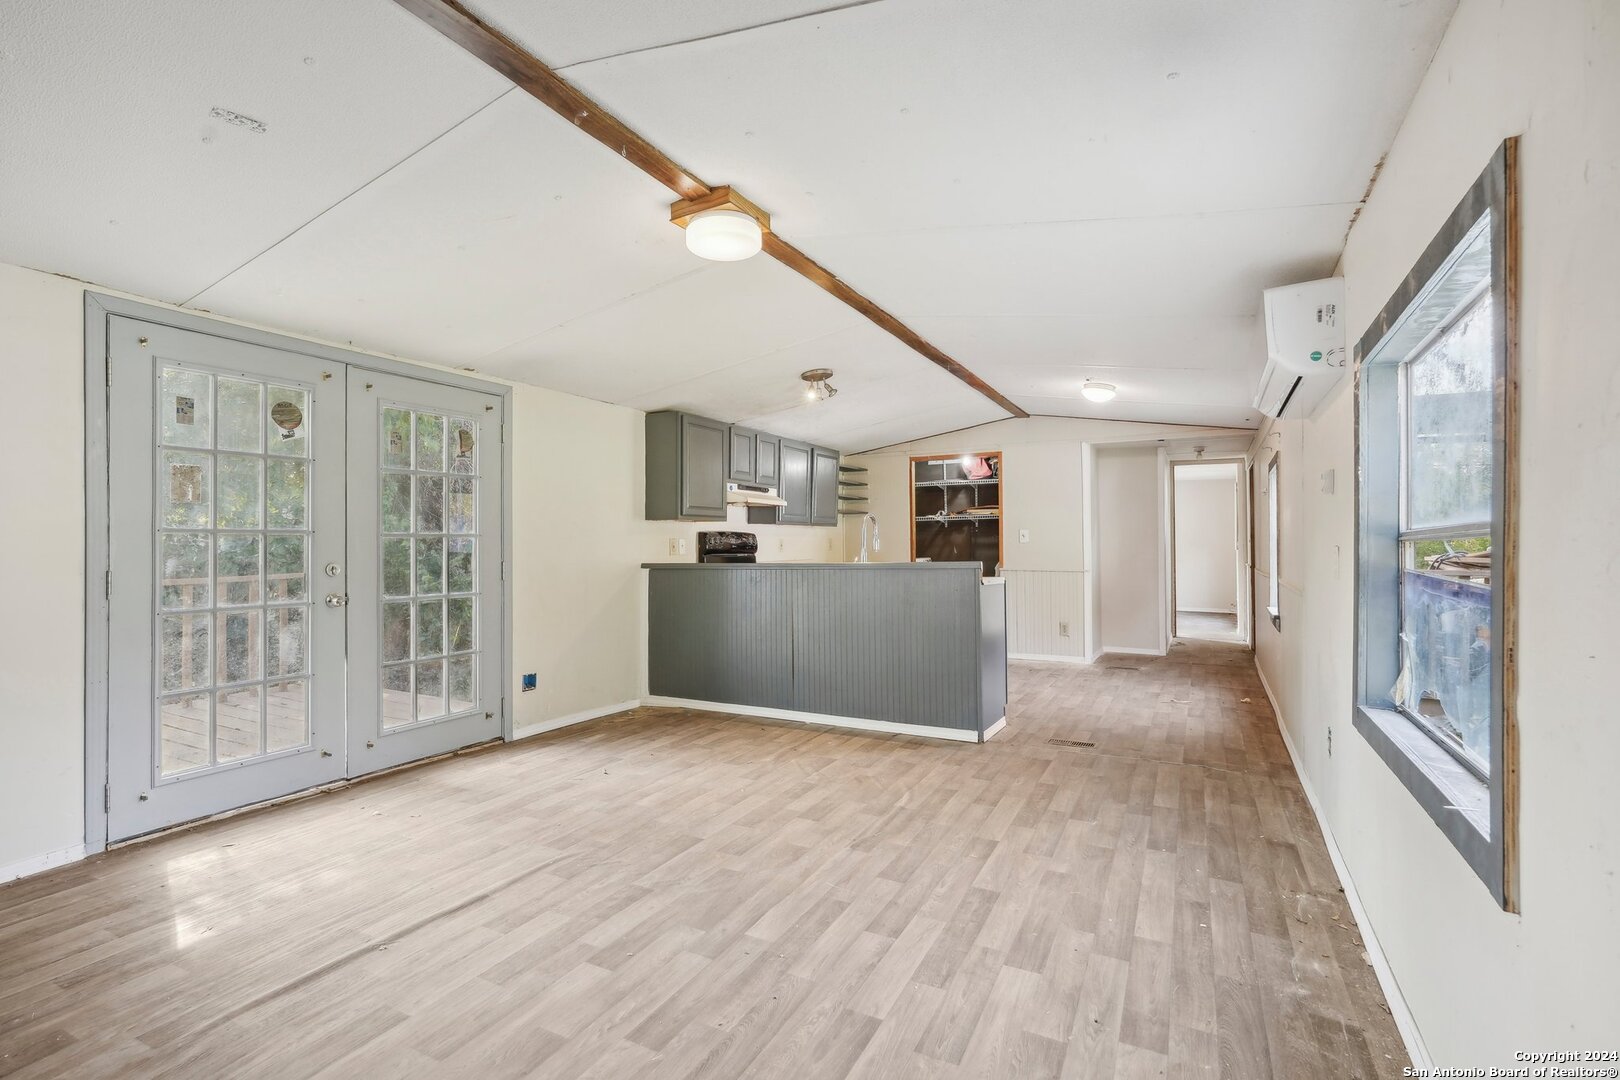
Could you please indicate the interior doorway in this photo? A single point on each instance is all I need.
(1208, 586)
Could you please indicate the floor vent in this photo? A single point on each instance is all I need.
(1073, 742)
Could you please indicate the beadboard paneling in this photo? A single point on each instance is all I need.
(1037, 601)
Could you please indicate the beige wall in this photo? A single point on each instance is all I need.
(578, 542)
(1482, 984)
(1130, 558)
(1206, 541)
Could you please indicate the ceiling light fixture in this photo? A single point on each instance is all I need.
(722, 225)
(817, 388)
(1098, 391)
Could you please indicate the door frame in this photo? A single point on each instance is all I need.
(1244, 537)
(98, 308)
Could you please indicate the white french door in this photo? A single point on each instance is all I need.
(265, 635)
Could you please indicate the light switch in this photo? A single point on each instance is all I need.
(674, 545)
(1023, 536)
(1327, 482)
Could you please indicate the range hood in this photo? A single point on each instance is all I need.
(752, 495)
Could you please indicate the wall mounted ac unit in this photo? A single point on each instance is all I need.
(1305, 352)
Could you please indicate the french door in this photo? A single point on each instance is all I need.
(264, 635)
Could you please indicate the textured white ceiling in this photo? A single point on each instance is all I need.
(1025, 184)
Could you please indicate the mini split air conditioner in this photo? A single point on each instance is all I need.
(1305, 353)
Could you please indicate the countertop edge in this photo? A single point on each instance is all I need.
(958, 566)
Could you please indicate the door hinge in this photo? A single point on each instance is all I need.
(109, 584)
(106, 798)
(503, 569)
(503, 434)
(503, 708)
(109, 371)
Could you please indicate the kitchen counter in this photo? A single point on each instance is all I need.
(903, 647)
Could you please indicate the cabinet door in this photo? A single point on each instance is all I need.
(823, 486)
(703, 468)
(742, 456)
(794, 484)
(767, 451)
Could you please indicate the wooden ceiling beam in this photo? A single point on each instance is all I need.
(528, 72)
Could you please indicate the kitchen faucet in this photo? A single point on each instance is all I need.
(863, 557)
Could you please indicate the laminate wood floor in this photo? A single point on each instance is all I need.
(683, 895)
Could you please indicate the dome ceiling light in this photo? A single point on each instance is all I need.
(1098, 391)
(817, 388)
(722, 225)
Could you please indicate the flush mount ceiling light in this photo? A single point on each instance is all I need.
(722, 225)
(1098, 391)
(817, 388)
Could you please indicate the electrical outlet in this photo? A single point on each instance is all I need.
(683, 546)
(1063, 629)
(674, 545)
(1023, 536)
(781, 545)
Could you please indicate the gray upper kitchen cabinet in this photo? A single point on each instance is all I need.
(823, 486)
(767, 453)
(686, 467)
(743, 463)
(793, 484)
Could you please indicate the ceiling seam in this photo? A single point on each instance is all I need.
(300, 228)
(833, 10)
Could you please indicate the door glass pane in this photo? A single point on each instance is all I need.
(396, 449)
(238, 569)
(429, 489)
(430, 565)
(186, 486)
(398, 707)
(183, 642)
(430, 690)
(237, 505)
(288, 414)
(286, 715)
(183, 733)
(429, 443)
(285, 495)
(238, 634)
(286, 578)
(284, 643)
(458, 565)
(186, 408)
(241, 412)
(396, 560)
(238, 721)
(243, 471)
(184, 578)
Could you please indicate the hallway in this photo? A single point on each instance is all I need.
(678, 894)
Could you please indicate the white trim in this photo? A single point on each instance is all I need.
(48, 861)
(1050, 658)
(571, 719)
(1134, 652)
(856, 723)
(994, 729)
(1405, 1022)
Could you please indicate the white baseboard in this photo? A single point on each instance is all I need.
(994, 729)
(1050, 658)
(1405, 1022)
(571, 719)
(48, 861)
(855, 723)
(1132, 652)
(1208, 610)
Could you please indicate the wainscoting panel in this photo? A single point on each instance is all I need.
(1038, 602)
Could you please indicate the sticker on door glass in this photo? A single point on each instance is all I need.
(185, 411)
(288, 417)
(185, 483)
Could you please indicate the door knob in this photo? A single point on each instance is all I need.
(337, 600)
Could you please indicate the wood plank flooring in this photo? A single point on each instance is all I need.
(683, 895)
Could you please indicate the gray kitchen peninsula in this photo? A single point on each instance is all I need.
(919, 648)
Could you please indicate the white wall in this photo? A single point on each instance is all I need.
(1130, 560)
(1206, 538)
(1482, 984)
(578, 542)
